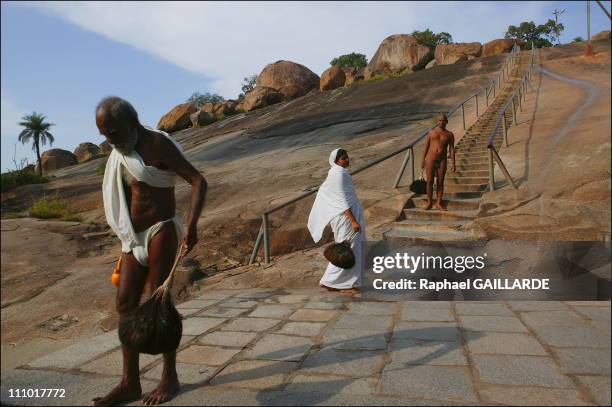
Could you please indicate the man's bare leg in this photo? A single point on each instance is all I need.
(131, 285)
(440, 174)
(162, 252)
(429, 172)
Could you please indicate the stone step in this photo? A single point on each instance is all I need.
(457, 187)
(420, 201)
(422, 214)
(429, 225)
(472, 167)
(455, 179)
(457, 195)
(473, 173)
(466, 160)
(423, 236)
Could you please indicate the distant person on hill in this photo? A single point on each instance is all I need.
(336, 204)
(439, 140)
(139, 203)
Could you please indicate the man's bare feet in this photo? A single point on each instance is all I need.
(165, 390)
(439, 207)
(122, 393)
(429, 205)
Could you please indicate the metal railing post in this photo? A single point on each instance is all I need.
(494, 89)
(266, 238)
(513, 112)
(505, 129)
(257, 245)
(477, 105)
(401, 171)
(412, 169)
(487, 96)
(520, 98)
(491, 174)
(463, 114)
(502, 167)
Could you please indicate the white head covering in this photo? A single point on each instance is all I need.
(335, 195)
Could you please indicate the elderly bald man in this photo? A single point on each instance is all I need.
(140, 205)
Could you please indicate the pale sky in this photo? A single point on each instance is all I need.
(61, 58)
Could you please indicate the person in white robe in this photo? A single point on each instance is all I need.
(337, 204)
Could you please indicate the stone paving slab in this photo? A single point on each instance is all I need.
(491, 324)
(406, 352)
(331, 385)
(520, 371)
(431, 331)
(197, 304)
(427, 315)
(324, 305)
(561, 336)
(503, 343)
(280, 347)
(372, 308)
(358, 321)
(476, 308)
(583, 360)
(354, 339)
(302, 328)
(272, 311)
(531, 396)
(112, 363)
(450, 383)
(537, 305)
(220, 312)
(80, 352)
(255, 374)
(553, 318)
(313, 315)
(206, 355)
(199, 325)
(250, 324)
(354, 364)
(231, 339)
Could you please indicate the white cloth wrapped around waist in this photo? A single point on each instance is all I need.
(115, 202)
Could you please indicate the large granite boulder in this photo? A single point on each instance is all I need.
(86, 151)
(601, 36)
(177, 118)
(430, 64)
(105, 148)
(290, 79)
(397, 53)
(55, 159)
(261, 96)
(447, 54)
(501, 46)
(332, 78)
(201, 118)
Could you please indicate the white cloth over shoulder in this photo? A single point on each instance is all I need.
(335, 195)
(115, 203)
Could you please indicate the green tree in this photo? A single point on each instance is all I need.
(200, 99)
(540, 35)
(352, 60)
(578, 39)
(248, 84)
(37, 131)
(431, 39)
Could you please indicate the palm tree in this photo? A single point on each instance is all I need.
(36, 130)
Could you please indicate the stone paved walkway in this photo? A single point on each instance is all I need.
(304, 347)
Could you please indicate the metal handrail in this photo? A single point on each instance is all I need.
(493, 154)
(263, 230)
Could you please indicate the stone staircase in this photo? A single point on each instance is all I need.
(463, 189)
